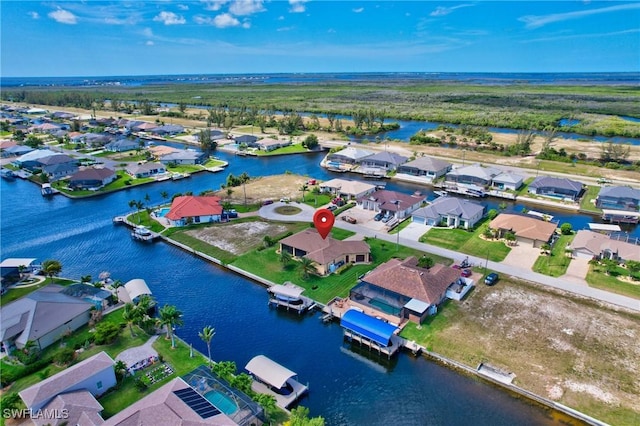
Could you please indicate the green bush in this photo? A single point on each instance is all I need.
(8, 377)
(64, 356)
(106, 332)
(343, 268)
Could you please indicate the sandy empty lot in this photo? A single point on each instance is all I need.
(238, 238)
(267, 188)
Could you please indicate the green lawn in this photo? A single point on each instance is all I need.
(468, 242)
(557, 263)
(316, 200)
(14, 293)
(143, 218)
(596, 277)
(591, 194)
(185, 168)
(119, 183)
(525, 186)
(214, 163)
(266, 264)
(400, 227)
(428, 331)
(291, 149)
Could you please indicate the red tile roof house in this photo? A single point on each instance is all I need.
(73, 389)
(403, 289)
(328, 254)
(194, 209)
(92, 177)
(398, 204)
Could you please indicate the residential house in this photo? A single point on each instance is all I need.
(589, 245)
(16, 151)
(386, 161)
(474, 174)
(74, 389)
(43, 316)
(159, 151)
(405, 290)
(249, 140)
(11, 269)
(619, 198)
(175, 403)
(30, 159)
(429, 167)
(395, 203)
(217, 135)
(553, 187)
(122, 145)
(268, 144)
(146, 170)
(45, 128)
(194, 209)
(63, 115)
(167, 129)
(58, 166)
(142, 126)
(450, 211)
(89, 293)
(92, 177)
(350, 189)
(96, 139)
(507, 181)
(327, 254)
(184, 157)
(527, 229)
(347, 156)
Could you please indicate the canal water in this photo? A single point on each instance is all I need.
(347, 387)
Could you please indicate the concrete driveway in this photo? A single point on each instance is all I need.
(577, 270)
(414, 231)
(522, 255)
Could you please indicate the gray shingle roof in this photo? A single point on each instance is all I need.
(451, 206)
(476, 170)
(428, 164)
(388, 157)
(620, 192)
(554, 182)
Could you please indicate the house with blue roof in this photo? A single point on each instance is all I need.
(619, 198)
(450, 211)
(386, 161)
(122, 145)
(554, 187)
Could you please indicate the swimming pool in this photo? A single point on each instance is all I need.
(384, 306)
(222, 402)
(163, 211)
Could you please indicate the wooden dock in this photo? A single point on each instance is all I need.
(389, 351)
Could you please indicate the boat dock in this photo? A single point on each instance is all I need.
(276, 380)
(289, 296)
(139, 232)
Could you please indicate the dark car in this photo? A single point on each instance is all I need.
(231, 214)
(466, 273)
(338, 202)
(332, 208)
(491, 279)
(378, 217)
(267, 202)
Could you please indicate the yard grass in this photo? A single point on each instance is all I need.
(14, 293)
(185, 168)
(590, 194)
(291, 149)
(143, 218)
(597, 278)
(212, 162)
(468, 242)
(222, 255)
(525, 186)
(119, 183)
(557, 262)
(266, 263)
(400, 227)
(316, 200)
(427, 332)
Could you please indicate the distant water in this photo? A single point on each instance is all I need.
(301, 78)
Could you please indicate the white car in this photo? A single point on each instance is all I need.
(285, 200)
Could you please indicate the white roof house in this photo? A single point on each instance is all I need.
(35, 155)
(350, 188)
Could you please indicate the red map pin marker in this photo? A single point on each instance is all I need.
(323, 220)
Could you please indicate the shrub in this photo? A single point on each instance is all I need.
(106, 333)
(343, 268)
(566, 229)
(64, 356)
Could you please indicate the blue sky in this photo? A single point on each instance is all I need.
(98, 38)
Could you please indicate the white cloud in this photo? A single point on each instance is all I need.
(535, 21)
(147, 32)
(169, 18)
(183, 7)
(225, 20)
(246, 7)
(443, 10)
(280, 18)
(202, 20)
(149, 43)
(246, 25)
(358, 10)
(285, 29)
(579, 36)
(214, 4)
(34, 15)
(297, 6)
(63, 16)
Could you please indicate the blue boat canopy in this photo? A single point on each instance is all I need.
(366, 326)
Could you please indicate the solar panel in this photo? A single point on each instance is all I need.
(197, 402)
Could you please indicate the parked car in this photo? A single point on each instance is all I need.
(311, 182)
(338, 202)
(387, 218)
(285, 200)
(491, 279)
(378, 217)
(466, 273)
(267, 202)
(231, 214)
(332, 208)
(349, 219)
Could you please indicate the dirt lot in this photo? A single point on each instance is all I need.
(267, 188)
(569, 350)
(227, 237)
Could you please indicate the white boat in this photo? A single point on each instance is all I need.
(178, 176)
(8, 174)
(142, 233)
(47, 190)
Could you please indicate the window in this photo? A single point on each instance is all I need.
(99, 384)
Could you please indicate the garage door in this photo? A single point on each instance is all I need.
(419, 220)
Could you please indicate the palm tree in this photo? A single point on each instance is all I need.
(303, 188)
(307, 267)
(229, 192)
(164, 195)
(170, 316)
(139, 206)
(285, 258)
(131, 315)
(51, 268)
(206, 335)
(120, 368)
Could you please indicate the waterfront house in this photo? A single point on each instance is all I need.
(589, 245)
(159, 151)
(95, 139)
(268, 144)
(507, 181)
(43, 316)
(394, 203)
(349, 189)
(58, 166)
(30, 159)
(184, 156)
(403, 289)
(527, 229)
(474, 174)
(429, 167)
(559, 188)
(347, 156)
(327, 254)
(122, 145)
(82, 382)
(62, 115)
(450, 211)
(249, 140)
(167, 129)
(194, 209)
(89, 293)
(619, 198)
(142, 126)
(385, 161)
(146, 170)
(92, 177)
(16, 151)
